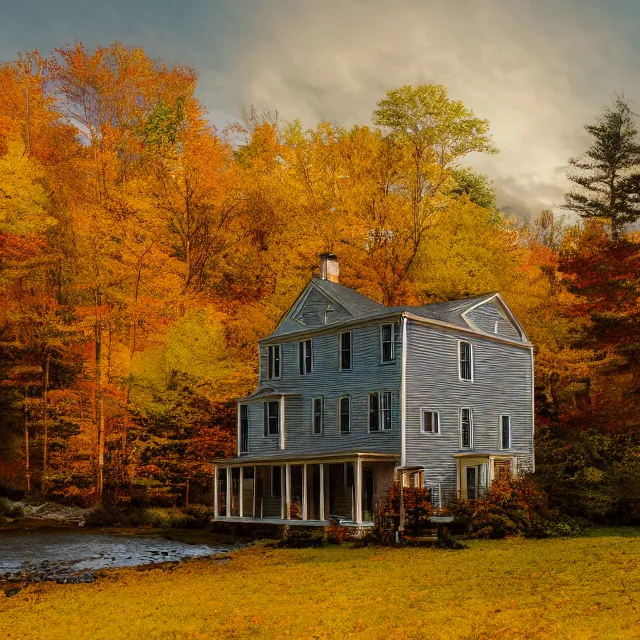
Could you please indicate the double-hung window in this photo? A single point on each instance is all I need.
(430, 421)
(380, 411)
(387, 334)
(346, 351)
(505, 432)
(317, 416)
(305, 356)
(344, 411)
(465, 360)
(244, 428)
(466, 428)
(273, 370)
(271, 418)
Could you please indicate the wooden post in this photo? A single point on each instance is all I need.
(321, 515)
(287, 502)
(241, 492)
(305, 506)
(358, 487)
(229, 493)
(255, 490)
(216, 501)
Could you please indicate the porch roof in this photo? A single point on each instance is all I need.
(284, 457)
(484, 453)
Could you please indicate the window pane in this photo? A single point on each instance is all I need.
(276, 361)
(344, 415)
(308, 354)
(244, 429)
(386, 410)
(317, 416)
(301, 357)
(373, 412)
(430, 422)
(274, 422)
(270, 363)
(466, 427)
(465, 361)
(506, 432)
(387, 342)
(345, 351)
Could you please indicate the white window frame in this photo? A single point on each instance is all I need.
(271, 361)
(471, 438)
(460, 342)
(302, 346)
(313, 415)
(381, 426)
(424, 410)
(340, 399)
(242, 407)
(505, 415)
(268, 434)
(393, 340)
(350, 333)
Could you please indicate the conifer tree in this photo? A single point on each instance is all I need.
(608, 177)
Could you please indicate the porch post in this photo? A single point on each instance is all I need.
(227, 501)
(358, 485)
(215, 491)
(241, 493)
(305, 508)
(283, 491)
(287, 502)
(321, 516)
(255, 490)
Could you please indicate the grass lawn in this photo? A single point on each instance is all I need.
(562, 588)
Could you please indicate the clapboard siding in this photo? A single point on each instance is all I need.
(501, 385)
(368, 375)
(488, 317)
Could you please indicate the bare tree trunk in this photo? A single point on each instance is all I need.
(26, 441)
(45, 445)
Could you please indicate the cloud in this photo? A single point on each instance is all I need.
(538, 70)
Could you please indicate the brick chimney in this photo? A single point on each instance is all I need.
(329, 268)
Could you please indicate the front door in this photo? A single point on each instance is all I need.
(473, 477)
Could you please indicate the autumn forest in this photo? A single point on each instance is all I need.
(143, 253)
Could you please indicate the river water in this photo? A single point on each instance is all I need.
(75, 556)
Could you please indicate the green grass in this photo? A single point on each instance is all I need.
(557, 588)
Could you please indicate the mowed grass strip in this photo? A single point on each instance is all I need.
(562, 588)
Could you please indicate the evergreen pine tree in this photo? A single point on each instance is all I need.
(608, 176)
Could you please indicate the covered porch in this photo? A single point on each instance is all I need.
(303, 490)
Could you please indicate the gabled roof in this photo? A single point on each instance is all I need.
(354, 303)
(359, 307)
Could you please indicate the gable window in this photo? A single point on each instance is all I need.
(317, 417)
(430, 421)
(305, 356)
(466, 428)
(346, 354)
(505, 432)
(273, 370)
(271, 418)
(386, 342)
(465, 359)
(244, 428)
(344, 409)
(380, 411)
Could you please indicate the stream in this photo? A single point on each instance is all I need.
(76, 556)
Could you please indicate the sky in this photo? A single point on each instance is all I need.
(538, 70)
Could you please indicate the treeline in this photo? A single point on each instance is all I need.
(143, 253)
